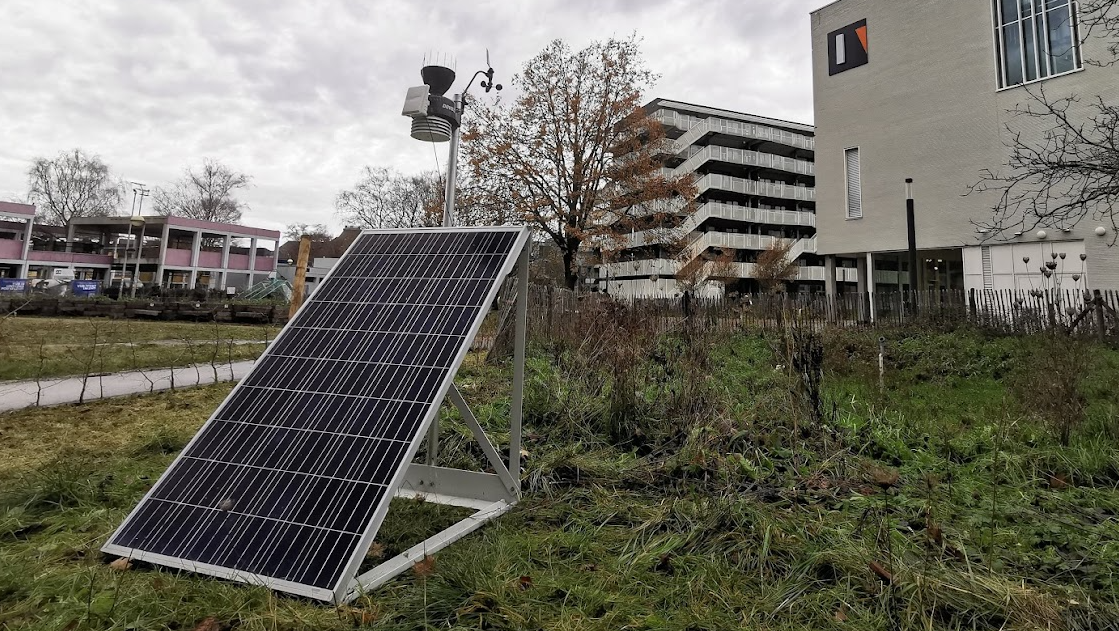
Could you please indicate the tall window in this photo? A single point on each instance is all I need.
(854, 183)
(1035, 39)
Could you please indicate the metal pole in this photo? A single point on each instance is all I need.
(910, 222)
(516, 411)
(139, 250)
(124, 265)
(452, 170)
(139, 243)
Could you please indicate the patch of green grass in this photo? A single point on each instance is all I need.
(32, 347)
(938, 503)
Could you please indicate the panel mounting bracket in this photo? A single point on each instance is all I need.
(491, 494)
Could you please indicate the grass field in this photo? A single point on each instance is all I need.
(32, 347)
(669, 485)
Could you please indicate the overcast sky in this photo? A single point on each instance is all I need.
(300, 94)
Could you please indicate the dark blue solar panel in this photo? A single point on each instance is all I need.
(285, 478)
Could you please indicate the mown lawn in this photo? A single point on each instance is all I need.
(671, 483)
(33, 347)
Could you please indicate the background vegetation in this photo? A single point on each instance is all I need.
(673, 481)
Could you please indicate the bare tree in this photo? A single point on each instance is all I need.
(1070, 171)
(317, 232)
(774, 268)
(207, 195)
(72, 185)
(384, 198)
(574, 154)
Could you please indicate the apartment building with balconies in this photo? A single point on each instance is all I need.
(755, 182)
(170, 252)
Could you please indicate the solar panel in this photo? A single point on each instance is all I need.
(287, 483)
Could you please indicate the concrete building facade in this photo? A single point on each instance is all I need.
(756, 185)
(925, 90)
(171, 252)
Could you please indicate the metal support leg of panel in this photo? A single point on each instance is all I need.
(516, 412)
(491, 494)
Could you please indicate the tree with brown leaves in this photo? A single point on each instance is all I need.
(774, 268)
(693, 274)
(574, 154)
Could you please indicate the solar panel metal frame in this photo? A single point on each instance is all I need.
(348, 586)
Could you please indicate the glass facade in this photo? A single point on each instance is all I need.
(1035, 39)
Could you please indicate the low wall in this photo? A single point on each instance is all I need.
(148, 309)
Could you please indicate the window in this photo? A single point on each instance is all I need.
(840, 49)
(1035, 39)
(854, 183)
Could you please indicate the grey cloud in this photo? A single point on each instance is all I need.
(301, 94)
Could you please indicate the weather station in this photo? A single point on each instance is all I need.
(438, 118)
(288, 482)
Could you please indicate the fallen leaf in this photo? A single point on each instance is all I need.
(209, 624)
(376, 551)
(884, 478)
(121, 565)
(1057, 482)
(881, 572)
(361, 616)
(426, 567)
(840, 615)
(524, 582)
(935, 533)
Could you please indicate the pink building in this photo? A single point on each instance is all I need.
(167, 251)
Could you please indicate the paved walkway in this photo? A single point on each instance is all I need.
(15, 395)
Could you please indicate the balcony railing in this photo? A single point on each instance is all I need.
(726, 212)
(665, 268)
(746, 158)
(756, 188)
(695, 128)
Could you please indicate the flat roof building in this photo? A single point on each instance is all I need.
(755, 181)
(925, 90)
(172, 252)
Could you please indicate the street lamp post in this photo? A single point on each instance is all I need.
(912, 234)
(137, 221)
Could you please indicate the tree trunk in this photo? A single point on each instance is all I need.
(570, 274)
